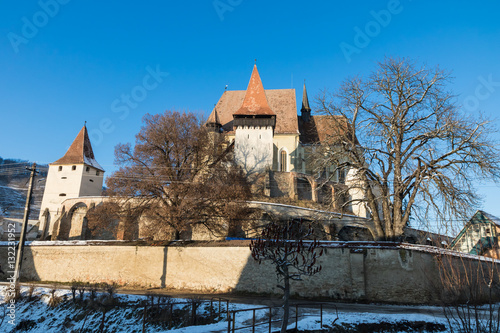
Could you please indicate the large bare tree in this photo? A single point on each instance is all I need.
(178, 175)
(409, 148)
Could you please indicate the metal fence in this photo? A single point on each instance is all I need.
(170, 314)
(271, 318)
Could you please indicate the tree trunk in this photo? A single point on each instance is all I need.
(286, 300)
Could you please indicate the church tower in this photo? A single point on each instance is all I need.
(254, 124)
(76, 174)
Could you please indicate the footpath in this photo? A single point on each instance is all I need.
(273, 300)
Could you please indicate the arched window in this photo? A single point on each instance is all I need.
(283, 161)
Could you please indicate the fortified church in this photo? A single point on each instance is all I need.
(270, 141)
(269, 136)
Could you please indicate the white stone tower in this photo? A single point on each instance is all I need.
(254, 124)
(76, 174)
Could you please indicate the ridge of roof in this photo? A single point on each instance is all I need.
(80, 151)
(255, 101)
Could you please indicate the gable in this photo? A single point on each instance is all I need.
(478, 218)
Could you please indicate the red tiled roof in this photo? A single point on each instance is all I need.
(281, 101)
(80, 151)
(255, 101)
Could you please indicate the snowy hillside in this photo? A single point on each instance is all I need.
(14, 179)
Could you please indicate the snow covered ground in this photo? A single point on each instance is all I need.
(38, 316)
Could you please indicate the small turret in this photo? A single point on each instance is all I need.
(213, 123)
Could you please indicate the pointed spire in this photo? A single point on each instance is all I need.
(255, 101)
(80, 151)
(305, 100)
(305, 110)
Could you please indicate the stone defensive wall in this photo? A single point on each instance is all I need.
(351, 271)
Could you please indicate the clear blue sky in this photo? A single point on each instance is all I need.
(65, 62)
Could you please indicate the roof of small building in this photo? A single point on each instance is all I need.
(80, 151)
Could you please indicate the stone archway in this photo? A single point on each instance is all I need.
(72, 222)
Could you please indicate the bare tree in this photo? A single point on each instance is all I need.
(469, 291)
(285, 245)
(407, 146)
(178, 175)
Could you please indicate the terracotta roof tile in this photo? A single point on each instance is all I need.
(80, 151)
(255, 101)
(281, 101)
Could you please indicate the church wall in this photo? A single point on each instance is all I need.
(289, 143)
(389, 273)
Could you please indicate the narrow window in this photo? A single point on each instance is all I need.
(60, 168)
(87, 169)
(341, 176)
(73, 167)
(283, 157)
(97, 173)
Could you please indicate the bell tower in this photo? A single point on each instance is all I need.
(254, 124)
(76, 174)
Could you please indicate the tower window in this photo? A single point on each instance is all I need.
(73, 167)
(60, 168)
(62, 194)
(91, 180)
(97, 173)
(87, 169)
